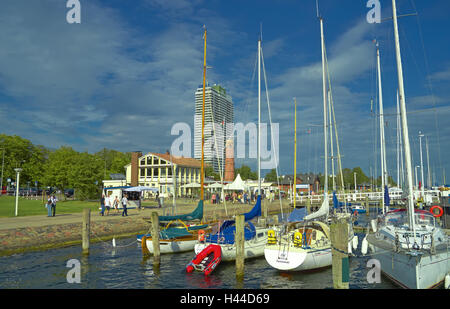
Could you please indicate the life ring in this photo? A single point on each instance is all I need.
(441, 211)
(201, 235)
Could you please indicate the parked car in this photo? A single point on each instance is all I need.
(68, 192)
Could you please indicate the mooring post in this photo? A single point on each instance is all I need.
(339, 250)
(239, 239)
(155, 239)
(86, 230)
(308, 205)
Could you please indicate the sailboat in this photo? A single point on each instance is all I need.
(183, 236)
(410, 245)
(305, 244)
(255, 237)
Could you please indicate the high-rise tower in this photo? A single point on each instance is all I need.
(218, 125)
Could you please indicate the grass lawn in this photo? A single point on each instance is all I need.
(36, 207)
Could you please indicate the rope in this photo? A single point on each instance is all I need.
(123, 246)
(271, 135)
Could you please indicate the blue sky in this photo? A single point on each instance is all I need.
(124, 76)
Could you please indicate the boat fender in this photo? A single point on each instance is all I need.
(364, 246)
(201, 235)
(113, 242)
(355, 242)
(373, 223)
(350, 248)
(439, 208)
(447, 281)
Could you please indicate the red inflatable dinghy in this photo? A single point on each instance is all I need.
(207, 260)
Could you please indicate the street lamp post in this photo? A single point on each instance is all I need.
(354, 174)
(1, 180)
(18, 170)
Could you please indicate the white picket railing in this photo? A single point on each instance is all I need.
(430, 196)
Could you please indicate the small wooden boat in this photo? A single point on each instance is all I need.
(206, 260)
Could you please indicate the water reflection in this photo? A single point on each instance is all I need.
(124, 267)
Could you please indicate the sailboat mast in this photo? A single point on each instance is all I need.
(295, 151)
(398, 143)
(259, 116)
(324, 82)
(202, 172)
(421, 164)
(428, 164)
(404, 122)
(382, 155)
(331, 141)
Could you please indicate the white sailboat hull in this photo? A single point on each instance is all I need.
(290, 258)
(414, 272)
(297, 259)
(175, 246)
(252, 248)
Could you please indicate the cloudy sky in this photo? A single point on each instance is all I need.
(128, 72)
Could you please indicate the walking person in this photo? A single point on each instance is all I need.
(124, 204)
(49, 206)
(54, 200)
(116, 204)
(108, 204)
(102, 204)
(157, 199)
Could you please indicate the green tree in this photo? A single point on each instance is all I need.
(271, 176)
(20, 152)
(113, 161)
(209, 172)
(246, 173)
(86, 177)
(60, 168)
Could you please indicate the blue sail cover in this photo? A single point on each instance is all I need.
(337, 204)
(335, 200)
(297, 215)
(228, 229)
(256, 211)
(226, 236)
(196, 214)
(387, 199)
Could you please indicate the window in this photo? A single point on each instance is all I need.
(155, 172)
(155, 160)
(163, 161)
(143, 161)
(142, 172)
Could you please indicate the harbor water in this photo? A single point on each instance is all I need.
(123, 267)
